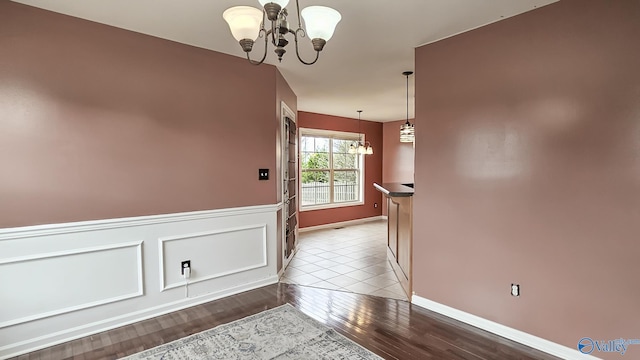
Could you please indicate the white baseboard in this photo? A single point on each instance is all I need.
(342, 223)
(109, 324)
(502, 330)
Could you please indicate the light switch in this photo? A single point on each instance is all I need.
(263, 174)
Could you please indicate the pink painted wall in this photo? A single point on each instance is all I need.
(397, 159)
(373, 169)
(99, 122)
(528, 171)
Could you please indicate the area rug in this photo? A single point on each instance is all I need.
(280, 333)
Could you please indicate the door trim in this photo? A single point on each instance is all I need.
(285, 112)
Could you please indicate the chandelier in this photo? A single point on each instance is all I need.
(248, 23)
(360, 147)
(407, 130)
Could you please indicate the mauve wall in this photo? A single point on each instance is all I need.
(397, 159)
(98, 122)
(372, 169)
(528, 171)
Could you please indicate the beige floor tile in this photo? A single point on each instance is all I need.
(341, 259)
(309, 258)
(377, 269)
(297, 261)
(342, 269)
(360, 275)
(325, 274)
(328, 285)
(308, 268)
(343, 280)
(361, 288)
(352, 258)
(305, 279)
(294, 271)
(326, 263)
(327, 255)
(379, 282)
(312, 250)
(397, 288)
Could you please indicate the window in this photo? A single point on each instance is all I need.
(330, 176)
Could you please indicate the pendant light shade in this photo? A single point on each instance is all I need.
(244, 22)
(407, 130)
(360, 147)
(320, 21)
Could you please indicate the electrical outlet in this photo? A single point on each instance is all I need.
(263, 174)
(375, 205)
(515, 290)
(184, 265)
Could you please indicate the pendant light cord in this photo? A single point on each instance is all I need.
(407, 74)
(359, 133)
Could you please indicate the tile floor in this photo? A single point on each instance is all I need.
(352, 258)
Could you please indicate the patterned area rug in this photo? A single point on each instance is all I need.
(280, 333)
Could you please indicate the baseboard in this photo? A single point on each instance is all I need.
(89, 329)
(341, 223)
(521, 337)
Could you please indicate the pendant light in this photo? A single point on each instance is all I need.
(407, 130)
(360, 147)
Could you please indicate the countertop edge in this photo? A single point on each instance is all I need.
(394, 189)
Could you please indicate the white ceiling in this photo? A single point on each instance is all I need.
(361, 66)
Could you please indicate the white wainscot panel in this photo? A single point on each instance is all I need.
(60, 282)
(43, 285)
(212, 254)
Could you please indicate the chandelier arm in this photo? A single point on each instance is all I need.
(266, 44)
(295, 36)
(298, 12)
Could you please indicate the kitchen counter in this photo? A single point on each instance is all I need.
(399, 230)
(395, 189)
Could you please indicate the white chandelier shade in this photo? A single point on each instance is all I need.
(244, 22)
(320, 21)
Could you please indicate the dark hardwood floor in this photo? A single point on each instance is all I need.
(393, 329)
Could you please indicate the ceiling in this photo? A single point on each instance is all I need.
(361, 66)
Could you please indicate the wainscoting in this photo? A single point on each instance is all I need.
(65, 281)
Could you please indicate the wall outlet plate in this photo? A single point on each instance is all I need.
(515, 290)
(183, 265)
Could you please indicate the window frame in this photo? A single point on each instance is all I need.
(331, 134)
